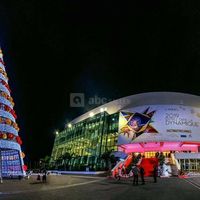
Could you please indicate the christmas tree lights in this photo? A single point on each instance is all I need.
(11, 159)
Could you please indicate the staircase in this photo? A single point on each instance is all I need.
(118, 167)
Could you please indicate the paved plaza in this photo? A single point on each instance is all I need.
(88, 187)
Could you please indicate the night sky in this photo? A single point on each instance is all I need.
(107, 49)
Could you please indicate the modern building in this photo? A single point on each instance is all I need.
(146, 123)
(11, 156)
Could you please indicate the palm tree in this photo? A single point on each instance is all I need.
(66, 158)
(44, 162)
(108, 158)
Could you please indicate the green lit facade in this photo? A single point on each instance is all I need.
(86, 141)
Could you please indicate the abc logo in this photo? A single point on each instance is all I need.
(77, 100)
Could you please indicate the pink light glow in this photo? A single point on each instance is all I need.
(160, 146)
(189, 145)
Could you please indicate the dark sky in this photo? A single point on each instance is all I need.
(108, 49)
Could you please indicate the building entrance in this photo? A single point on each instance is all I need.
(189, 164)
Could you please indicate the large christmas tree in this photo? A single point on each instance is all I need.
(11, 156)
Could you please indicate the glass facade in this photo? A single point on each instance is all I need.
(86, 141)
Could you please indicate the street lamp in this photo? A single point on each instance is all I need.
(101, 110)
(69, 125)
(91, 114)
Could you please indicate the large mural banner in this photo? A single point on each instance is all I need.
(159, 123)
(132, 125)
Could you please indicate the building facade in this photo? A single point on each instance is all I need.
(146, 123)
(87, 140)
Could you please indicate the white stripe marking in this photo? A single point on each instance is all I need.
(50, 188)
(97, 177)
(195, 185)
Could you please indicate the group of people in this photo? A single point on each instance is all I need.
(135, 172)
(44, 177)
(140, 170)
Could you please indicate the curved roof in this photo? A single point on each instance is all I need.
(150, 98)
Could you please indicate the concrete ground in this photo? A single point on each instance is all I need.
(88, 187)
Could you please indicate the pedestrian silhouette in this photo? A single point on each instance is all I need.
(135, 171)
(142, 172)
(38, 177)
(44, 178)
(155, 173)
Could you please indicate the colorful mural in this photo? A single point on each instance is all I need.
(133, 125)
(155, 123)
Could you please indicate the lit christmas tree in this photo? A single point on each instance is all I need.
(11, 156)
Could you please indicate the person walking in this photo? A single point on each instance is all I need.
(142, 172)
(135, 174)
(1, 179)
(38, 177)
(44, 178)
(155, 173)
(118, 174)
(123, 170)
